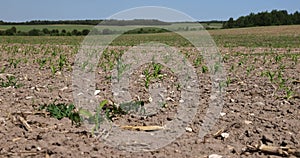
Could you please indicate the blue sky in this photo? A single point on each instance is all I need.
(25, 10)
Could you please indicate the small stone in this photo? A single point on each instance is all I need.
(248, 122)
(64, 88)
(215, 156)
(181, 101)
(150, 99)
(267, 138)
(39, 148)
(222, 113)
(259, 104)
(232, 100)
(170, 99)
(188, 129)
(225, 135)
(97, 92)
(28, 97)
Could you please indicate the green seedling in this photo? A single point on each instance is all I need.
(147, 78)
(108, 112)
(295, 58)
(289, 93)
(14, 62)
(278, 58)
(157, 70)
(231, 68)
(121, 68)
(225, 58)
(228, 81)
(204, 69)
(133, 106)
(53, 69)
(62, 61)
(198, 61)
(11, 81)
(96, 118)
(249, 69)
(3, 69)
(271, 75)
(42, 62)
(61, 110)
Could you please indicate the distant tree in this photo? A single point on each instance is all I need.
(14, 30)
(274, 17)
(85, 32)
(74, 32)
(9, 32)
(46, 31)
(34, 32)
(54, 32)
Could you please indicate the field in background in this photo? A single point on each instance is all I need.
(26, 28)
(261, 103)
(271, 36)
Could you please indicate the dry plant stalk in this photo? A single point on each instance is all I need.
(143, 128)
(282, 151)
(24, 122)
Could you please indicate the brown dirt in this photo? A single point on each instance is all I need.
(254, 109)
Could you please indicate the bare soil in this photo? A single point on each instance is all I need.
(255, 109)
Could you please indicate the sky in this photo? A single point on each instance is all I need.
(26, 10)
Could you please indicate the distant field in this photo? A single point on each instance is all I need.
(26, 28)
(271, 36)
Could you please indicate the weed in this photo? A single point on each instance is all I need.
(61, 110)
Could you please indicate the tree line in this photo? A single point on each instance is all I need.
(90, 22)
(275, 17)
(55, 32)
(44, 32)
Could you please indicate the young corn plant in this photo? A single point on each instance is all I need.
(42, 62)
(249, 69)
(62, 61)
(53, 69)
(278, 58)
(157, 70)
(271, 75)
(204, 69)
(289, 93)
(11, 81)
(147, 77)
